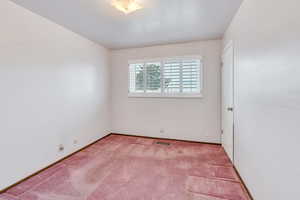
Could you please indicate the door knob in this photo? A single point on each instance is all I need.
(230, 109)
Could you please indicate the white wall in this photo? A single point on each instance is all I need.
(189, 119)
(266, 34)
(54, 89)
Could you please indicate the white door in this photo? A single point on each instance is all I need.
(227, 100)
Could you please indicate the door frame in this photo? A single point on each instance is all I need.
(229, 44)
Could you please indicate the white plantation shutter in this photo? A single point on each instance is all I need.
(167, 77)
(182, 76)
(172, 76)
(191, 76)
(136, 78)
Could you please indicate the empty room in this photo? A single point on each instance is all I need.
(149, 99)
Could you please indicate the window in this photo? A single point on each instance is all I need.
(170, 77)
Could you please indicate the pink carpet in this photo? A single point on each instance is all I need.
(133, 168)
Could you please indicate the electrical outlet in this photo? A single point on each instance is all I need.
(61, 148)
(162, 130)
(75, 141)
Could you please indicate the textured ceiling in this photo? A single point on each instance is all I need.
(160, 22)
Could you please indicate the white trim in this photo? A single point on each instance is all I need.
(180, 77)
(145, 76)
(162, 77)
(228, 45)
(159, 95)
(159, 59)
(201, 81)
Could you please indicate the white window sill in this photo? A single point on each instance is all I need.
(142, 95)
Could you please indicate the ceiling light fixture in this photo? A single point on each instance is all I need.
(126, 6)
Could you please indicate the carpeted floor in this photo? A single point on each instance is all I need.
(134, 168)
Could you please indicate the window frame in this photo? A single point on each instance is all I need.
(162, 94)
